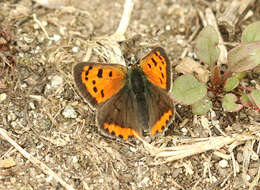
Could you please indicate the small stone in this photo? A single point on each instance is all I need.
(180, 41)
(184, 130)
(75, 159)
(56, 81)
(167, 27)
(56, 37)
(14, 124)
(214, 179)
(37, 50)
(49, 179)
(24, 85)
(132, 149)
(11, 117)
(44, 23)
(32, 106)
(204, 122)
(3, 97)
(69, 112)
(62, 30)
(75, 49)
(12, 180)
(223, 163)
(36, 26)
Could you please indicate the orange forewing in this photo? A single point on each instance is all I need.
(98, 82)
(157, 69)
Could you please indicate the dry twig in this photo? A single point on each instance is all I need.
(195, 146)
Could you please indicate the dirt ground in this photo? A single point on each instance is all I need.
(41, 110)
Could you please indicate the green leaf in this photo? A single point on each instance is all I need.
(206, 45)
(240, 76)
(255, 94)
(231, 83)
(229, 103)
(245, 100)
(202, 106)
(251, 33)
(244, 57)
(187, 90)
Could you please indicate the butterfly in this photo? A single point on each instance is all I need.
(128, 101)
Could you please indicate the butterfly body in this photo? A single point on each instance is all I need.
(131, 100)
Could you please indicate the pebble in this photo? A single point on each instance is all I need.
(32, 106)
(168, 28)
(56, 81)
(24, 85)
(204, 122)
(69, 112)
(184, 131)
(101, 180)
(223, 163)
(3, 97)
(132, 149)
(75, 49)
(11, 117)
(56, 37)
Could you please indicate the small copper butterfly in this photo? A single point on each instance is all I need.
(131, 100)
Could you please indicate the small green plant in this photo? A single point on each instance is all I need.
(226, 87)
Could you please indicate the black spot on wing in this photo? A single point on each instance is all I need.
(162, 75)
(89, 70)
(100, 73)
(102, 93)
(155, 63)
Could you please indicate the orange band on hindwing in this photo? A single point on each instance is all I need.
(125, 133)
(162, 123)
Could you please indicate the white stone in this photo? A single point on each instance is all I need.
(204, 122)
(223, 163)
(69, 112)
(32, 106)
(3, 97)
(168, 27)
(75, 49)
(56, 81)
(56, 37)
(184, 130)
